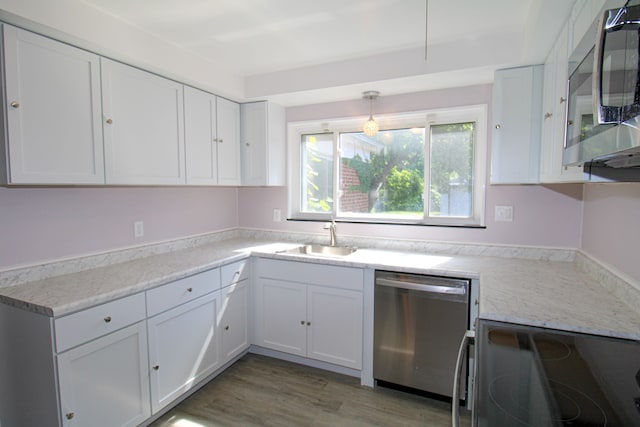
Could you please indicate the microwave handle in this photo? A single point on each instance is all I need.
(596, 82)
(467, 340)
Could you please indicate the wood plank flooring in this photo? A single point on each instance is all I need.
(262, 391)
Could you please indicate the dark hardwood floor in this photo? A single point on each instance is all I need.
(261, 391)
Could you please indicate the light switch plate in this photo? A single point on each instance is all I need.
(503, 213)
(276, 215)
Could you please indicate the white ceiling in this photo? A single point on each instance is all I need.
(302, 51)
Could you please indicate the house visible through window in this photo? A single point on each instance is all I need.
(424, 168)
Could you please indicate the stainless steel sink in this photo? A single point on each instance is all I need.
(321, 250)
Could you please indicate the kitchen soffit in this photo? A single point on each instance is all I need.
(285, 48)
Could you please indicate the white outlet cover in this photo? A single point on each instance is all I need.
(503, 213)
(138, 229)
(276, 215)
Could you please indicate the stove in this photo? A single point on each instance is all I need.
(529, 376)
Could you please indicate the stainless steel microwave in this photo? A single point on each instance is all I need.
(603, 113)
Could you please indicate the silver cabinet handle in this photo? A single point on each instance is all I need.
(107, 319)
(156, 367)
(547, 115)
(70, 415)
(15, 104)
(498, 126)
(226, 328)
(563, 100)
(109, 121)
(468, 339)
(189, 289)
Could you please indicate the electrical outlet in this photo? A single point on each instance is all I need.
(138, 229)
(276, 215)
(504, 213)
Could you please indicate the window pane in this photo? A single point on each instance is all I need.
(451, 171)
(317, 173)
(383, 175)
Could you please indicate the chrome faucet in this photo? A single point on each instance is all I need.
(331, 226)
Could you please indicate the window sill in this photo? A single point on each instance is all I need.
(388, 222)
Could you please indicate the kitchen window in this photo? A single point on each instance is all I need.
(421, 168)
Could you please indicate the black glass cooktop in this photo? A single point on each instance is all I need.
(531, 376)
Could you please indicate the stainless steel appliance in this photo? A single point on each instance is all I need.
(603, 123)
(418, 324)
(529, 376)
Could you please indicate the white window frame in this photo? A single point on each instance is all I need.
(427, 118)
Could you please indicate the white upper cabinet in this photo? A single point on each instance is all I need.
(263, 144)
(583, 14)
(228, 138)
(201, 143)
(517, 105)
(52, 111)
(212, 139)
(143, 127)
(554, 117)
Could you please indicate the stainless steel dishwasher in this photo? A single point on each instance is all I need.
(418, 324)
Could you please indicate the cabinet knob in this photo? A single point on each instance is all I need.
(70, 415)
(570, 122)
(247, 144)
(563, 99)
(220, 140)
(302, 322)
(226, 328)
(308, 323)
(547, 115)
(498, 126)
(109, 121)
(156, 367)
(189, 289)
(107, 319)
(215, 139)
(15, 104)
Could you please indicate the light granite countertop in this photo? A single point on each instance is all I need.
(554, 294)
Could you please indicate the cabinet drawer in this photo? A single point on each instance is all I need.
(315, 274)
(94, 322)
(235, 272)
(175, 293)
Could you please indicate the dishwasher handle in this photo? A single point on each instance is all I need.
(467, 340)
(423, 287)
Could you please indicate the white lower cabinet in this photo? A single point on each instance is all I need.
(184, 348)
(310, 310)
(105, 382)
(233, 322)
(118, 363)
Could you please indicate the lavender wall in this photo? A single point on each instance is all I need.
(38, 224)
(543, 216)
(610, 231)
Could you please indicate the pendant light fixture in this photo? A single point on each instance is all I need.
(370, 127)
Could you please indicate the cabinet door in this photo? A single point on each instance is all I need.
(233, 322)
(555, 116)
(262, 143)
(105, 382)
(199, 137)
(183, 348)
(143, 126)
(253, 145)
(517, 107)
(228, 136)
(53, 111)
(335, 326)
(281, 316)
